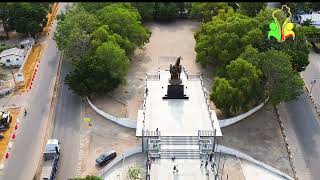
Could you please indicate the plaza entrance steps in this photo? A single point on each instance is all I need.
(179, 140)
(180, 153)
(181, 147)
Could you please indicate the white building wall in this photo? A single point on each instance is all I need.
(12, 60)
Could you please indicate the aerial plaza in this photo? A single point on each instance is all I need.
(183, 116)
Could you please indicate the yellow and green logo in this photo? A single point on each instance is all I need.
(281, 34)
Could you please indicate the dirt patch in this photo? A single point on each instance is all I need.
(260, 137)
(105, 135)
(14, 112)
(9, 80)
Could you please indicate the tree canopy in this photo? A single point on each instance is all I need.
(26, 18)
(205, 11)
(125, 21)
(88, 178)
(98, 41)
(99, 73)
(251, 8)
(224, 38)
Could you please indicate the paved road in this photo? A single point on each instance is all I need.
(66, 127)
(26, 150)
(301, 117)
(313, 72)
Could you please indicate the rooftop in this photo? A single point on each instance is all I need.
(176, 117)
(12, 51)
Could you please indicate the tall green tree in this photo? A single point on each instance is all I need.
(224, 95)
(224, 38)
(28, 18)
(72, 34)
(251, 8)
(205, 11)
(166, 11)
(282, 82)
(247, 79)
(125, 21)
(146, 10)
(100, 73)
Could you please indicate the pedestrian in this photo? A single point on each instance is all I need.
(174, 168)
(25, 112)
(210, 156)
(157, 130)
(206, 165)
(149, 164)
(173, 158)
(201, 164)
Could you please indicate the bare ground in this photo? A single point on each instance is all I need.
(260, 137)
(104, 136)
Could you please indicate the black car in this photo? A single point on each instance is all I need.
(106, 158)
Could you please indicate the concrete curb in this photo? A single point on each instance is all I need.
(227, 150)
(230, 121)
(286, 143)
(312, 101)
(119, 120)
(130, 152)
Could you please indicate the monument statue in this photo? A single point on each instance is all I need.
(175, 88)
(175, 72)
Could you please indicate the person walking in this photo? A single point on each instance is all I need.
(201, 163)
(211, 156)
(174, 169)
(206, 165)
(25, 113)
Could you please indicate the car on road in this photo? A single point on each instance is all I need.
(105, 158)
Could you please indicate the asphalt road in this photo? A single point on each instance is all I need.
(26, 152)
(313, 72)
(67, 127)
(307, 129)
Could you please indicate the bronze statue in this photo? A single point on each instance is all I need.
(175, 71)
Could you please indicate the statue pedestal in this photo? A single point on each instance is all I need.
(175, 92)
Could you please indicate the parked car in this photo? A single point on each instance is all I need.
(105, 158)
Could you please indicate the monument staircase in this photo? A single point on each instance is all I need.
(181, 147)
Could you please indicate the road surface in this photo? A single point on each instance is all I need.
(67, 127)
(313, 72)
(306, 129)
(26, 150)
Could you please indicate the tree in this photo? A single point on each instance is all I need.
(166, 11)
(298, 48)
(93, 7)
(224, 95)
(103, 34)
(146, 10)
(5, 12)
(224, 38)
(205, 11)
(88, 178)
(28, 18)
(282, 82)
(247, 79)
(134, 173)
(301, 6)
(251, 8)
(307, 22)
(124, 21)
(72, 34)
(99, 73)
